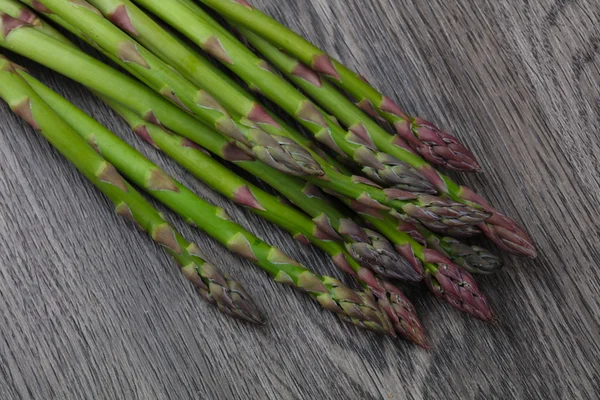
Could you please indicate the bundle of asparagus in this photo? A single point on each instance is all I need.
(396, 218)
(222, 290)
(63, 122)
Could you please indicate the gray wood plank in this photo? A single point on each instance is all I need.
(91, 309)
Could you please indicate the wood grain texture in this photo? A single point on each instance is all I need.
(91, 309)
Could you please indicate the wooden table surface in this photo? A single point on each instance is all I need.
(91, 309)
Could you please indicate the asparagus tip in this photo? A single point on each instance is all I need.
(456, 286)
(502, 230)
(380, 256)
(437, 146)
(402, 313)
(222, 290)
(241, 306)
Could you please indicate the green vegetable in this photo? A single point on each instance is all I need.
(219, 289)
(444, 279)
(358, 308)
(280, 152)
(431, 143)
(435, 146)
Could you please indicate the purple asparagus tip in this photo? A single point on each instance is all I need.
(380, 256)
(446, 216)
(502, 230)
(402, 313)
(404, 317)
(456, 286)
(437, 146)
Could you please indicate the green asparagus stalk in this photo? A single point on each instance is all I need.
(330, 220)
(203, 73)
(444, 279)
(358, 308)
(298, 224)
(280, 152)
(218, 289)
(304, 195)
(252, 69)
(375, 255)
(325, 94)
(195, 68)
(399, 309)
(198, 70)
(436, 146)
(244, 63)
(435, 213)
(416, 185)
(502, 230)
(395, 304)
(473, 258)
(177, 50)
(143, 28)
(171, 53)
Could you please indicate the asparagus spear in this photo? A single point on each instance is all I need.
(499, 228)
(246, 65)
(143, 28)
(398, 305)
(474, 259)
(171, 53)
(468, 257)
(204, 74)
(435, 146)
(218, 289)
(301, 227)
(197, 69)
(324, 93)
(201, 72)
(194, 67)
(399, 309)
(328, 219)
(375, 253)
(304, 195)
(433, 212)
(444, 279)
(359, 308)
(280, 152)
(390, 298)
(504, 231)
(252, 70)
